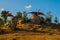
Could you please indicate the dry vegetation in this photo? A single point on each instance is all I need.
(29, 36)
(41, 33)
(51, 34)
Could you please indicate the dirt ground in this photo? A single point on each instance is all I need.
(28, 36)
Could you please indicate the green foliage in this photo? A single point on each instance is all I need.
(49, 17)
(19, 15)
(9, 21)
(56, 20)
(25, 14)
(1, 23)
(4, 16)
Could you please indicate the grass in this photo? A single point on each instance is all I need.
(29, 36)
(23, 35)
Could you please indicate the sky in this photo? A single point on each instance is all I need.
(31, 5)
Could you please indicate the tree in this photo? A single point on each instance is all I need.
(48, 17)
(56, 20)
(19, 15)
(1, 23)
(9, 21)
(25, 17)
(4, 15)
(25, 14)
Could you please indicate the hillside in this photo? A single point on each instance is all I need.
(28, 36)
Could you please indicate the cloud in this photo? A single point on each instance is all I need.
(2, 9)
(28, 7)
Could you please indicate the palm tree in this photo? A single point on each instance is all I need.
(25, 14)
(25, 17)
(19, 15)
(1, 23)
(49, 17)
(56, 20)
(4, 15)
(9, 21)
